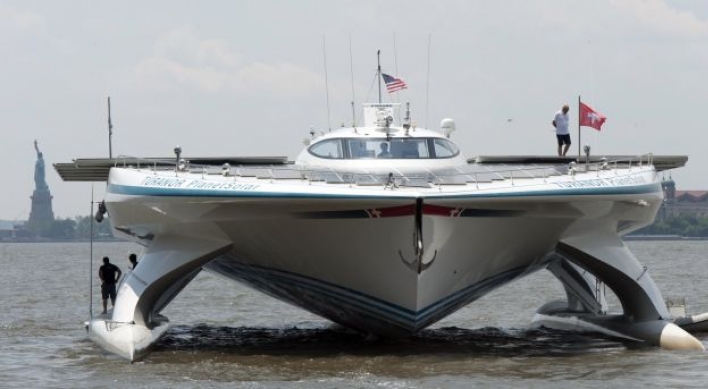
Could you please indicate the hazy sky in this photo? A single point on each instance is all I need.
(247, 78)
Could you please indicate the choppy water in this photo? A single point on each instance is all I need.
(225, 335)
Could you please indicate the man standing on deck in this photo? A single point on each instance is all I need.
(560, 122)
(109, 275)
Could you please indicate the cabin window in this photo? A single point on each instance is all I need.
(389, 148)
(409, 148)
(444, 148)
(331, 148)
(362, 148)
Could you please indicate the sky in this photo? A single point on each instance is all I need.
(250, 78)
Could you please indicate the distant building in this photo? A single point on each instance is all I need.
(6, 230)
(13, 230)
(683, 202)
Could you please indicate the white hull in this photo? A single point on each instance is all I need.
(354, 255)
(385, 243)
(127, 340)
(670, 336)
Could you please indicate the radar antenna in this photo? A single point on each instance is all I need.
(110, 130)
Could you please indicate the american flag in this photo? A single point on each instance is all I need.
(393, 84)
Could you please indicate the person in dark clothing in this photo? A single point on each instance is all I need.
(109, 275)
(133, 260)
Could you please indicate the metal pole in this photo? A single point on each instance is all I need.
(324, 56)
(110, 134)
(579, 155)
(91, 260)
(378, 71)
(351, 67)
(427, 83)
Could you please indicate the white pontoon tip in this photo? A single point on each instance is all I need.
(674, 337)
(127, 340)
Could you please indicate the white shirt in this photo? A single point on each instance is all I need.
(561, 123)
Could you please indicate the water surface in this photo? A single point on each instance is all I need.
(226, 335)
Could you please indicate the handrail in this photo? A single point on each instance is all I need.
(434, 178)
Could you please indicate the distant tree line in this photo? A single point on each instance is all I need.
(79, 228)
(683, 225)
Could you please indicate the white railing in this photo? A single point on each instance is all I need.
(478, 173)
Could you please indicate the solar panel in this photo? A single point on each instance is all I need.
(329, 177)
(287, 174)
(246, 171)
(515, 174)
(263, 173)
(368, 179)
(452, 180)
(418, 182)
(211, 170)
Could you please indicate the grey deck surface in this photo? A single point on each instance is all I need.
(479, 169)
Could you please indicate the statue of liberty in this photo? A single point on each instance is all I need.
(39, 181)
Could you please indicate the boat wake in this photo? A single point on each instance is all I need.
(332, 341)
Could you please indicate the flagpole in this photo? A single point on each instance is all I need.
(579, 155)
(91, 258)
(378, 71)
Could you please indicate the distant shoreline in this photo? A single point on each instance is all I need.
(27, 240)
(662, 237)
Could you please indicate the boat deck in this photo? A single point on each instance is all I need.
(478, 170)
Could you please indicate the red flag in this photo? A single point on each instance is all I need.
(590, 118)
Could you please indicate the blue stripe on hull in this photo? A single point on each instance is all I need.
(350, 307)
(474, 194)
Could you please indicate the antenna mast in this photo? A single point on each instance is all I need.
(427, 83)
(110, 130)
(324, 55)
(378, 71)
(351, 67)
